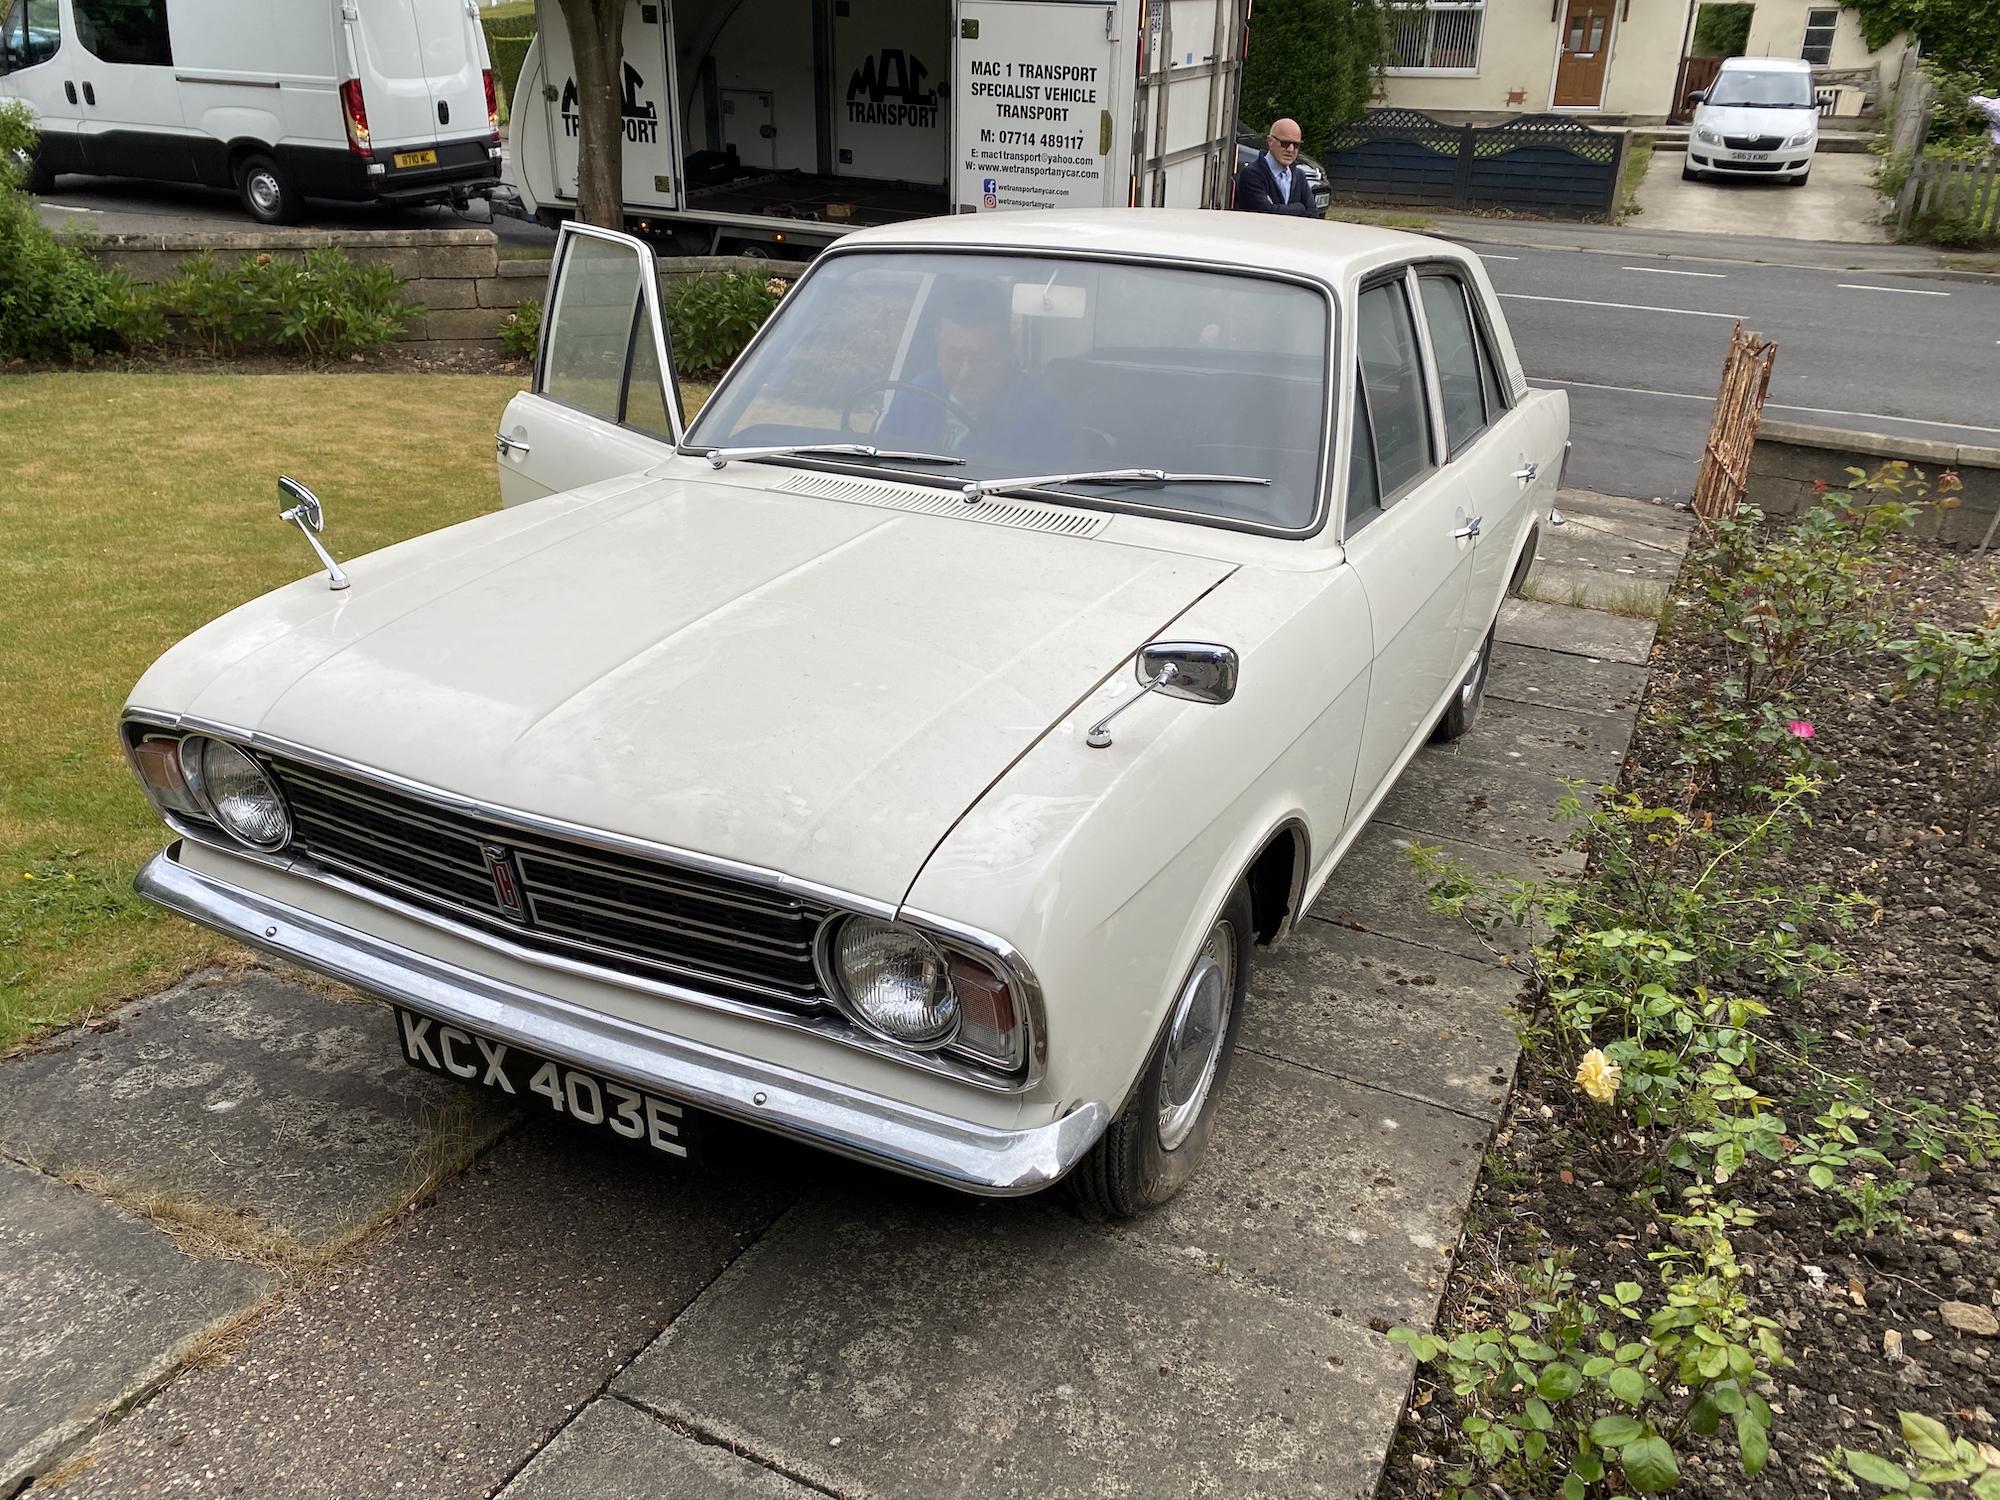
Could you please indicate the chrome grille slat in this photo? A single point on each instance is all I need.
(628, 912)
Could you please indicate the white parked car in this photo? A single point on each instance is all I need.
(1758, 119)
(905, 756)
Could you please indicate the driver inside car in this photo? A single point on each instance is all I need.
(977, 401)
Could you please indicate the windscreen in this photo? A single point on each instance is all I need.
(1748, 88)
(1021, 366)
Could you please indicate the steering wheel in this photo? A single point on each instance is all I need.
(854, 399)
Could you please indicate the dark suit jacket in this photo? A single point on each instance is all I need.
(1257, 191)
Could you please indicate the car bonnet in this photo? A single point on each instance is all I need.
(795, 683)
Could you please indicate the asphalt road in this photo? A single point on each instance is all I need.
(1638, 341)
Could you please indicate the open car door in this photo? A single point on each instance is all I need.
(606, 400)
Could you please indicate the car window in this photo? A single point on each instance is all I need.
(1022, 365)
(1392, 372)
(30, 33)
(1364, 487)
(596, 325)
(125, 31)
(1455, 347)
(1751, 88)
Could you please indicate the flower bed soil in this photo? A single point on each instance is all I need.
(1919, 1016)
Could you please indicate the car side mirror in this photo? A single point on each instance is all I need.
(310, 517)
(1196, 671)
(1202, 673)
(1698, 96)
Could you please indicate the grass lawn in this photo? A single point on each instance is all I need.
(134, 508)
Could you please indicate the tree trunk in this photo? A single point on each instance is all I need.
(597, 42)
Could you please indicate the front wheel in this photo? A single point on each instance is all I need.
(1689, 174)
(1463, 710)
(1152, 1150)
(1800, 180)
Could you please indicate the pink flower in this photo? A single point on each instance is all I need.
(1802, 729)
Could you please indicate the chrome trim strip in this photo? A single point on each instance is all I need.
(868, 1127)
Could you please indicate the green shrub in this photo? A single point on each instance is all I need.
(1566, 1395)
(56, 301)
(521, 329)
(1959, 671)
(327, 305)
(712, 317)
(1316, 61)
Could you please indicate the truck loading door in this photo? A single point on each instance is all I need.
(1038, 123)
(652, 177)
(891, 89)
(1190, 81)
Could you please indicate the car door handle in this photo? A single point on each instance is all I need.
(69, 89)
(1469, 529)
(89, 95)
(1528, 472)
(502, 445)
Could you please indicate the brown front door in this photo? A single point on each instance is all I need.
(1586, 53)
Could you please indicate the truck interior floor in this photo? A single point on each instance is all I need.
(834, 200)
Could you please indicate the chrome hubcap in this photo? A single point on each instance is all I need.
(264, 192)
(1195, 1036)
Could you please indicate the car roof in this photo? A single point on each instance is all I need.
(1765, 65)
(1327, 251)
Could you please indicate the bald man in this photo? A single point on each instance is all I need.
(1274, 183)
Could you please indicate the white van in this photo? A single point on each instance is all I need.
(360, 100)
(775, 126)
(1758, 118)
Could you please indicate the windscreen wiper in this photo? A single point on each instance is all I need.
(720, 456)
(979, 489)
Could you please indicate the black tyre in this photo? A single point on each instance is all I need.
(1800, 180)
(1152, 1150)
(1689, 174)
(1463, 711)
(267, 193)
(38, 179)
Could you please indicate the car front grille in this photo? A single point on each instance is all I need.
(634, 914)
(1753, 142)
(1751, 166)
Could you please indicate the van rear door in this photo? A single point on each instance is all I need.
(448, 31)
(395, 80)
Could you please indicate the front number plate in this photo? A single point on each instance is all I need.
(1749, 155)
(416, 158)
(542, 1083)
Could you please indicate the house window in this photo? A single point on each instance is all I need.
(1442, 36)
(1818, 47)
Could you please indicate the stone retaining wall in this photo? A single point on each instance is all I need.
(1789, 456)
(457, 274)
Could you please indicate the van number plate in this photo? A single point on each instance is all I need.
(416, 158)
(539, 1082)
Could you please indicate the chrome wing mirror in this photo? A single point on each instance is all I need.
(1194, 670)
(309, 516)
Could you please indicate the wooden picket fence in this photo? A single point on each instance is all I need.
(1739, 407)
(1967, 191)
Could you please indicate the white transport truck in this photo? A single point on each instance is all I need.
(774, 126)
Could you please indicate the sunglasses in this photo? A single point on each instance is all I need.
(1286, 145)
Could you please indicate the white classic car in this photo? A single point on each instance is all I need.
(905, 756)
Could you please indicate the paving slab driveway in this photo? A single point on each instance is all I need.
(566, 1321)
(1838, 202)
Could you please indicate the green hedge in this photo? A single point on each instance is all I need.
(507, 40)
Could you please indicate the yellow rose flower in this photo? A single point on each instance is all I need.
(1598, 1076)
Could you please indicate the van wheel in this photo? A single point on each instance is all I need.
(1152, 1150)
(267, 193)
(1463, 710)
(38, 179)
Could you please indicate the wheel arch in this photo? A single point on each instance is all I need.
(1277, 879)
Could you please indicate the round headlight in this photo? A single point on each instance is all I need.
(237, 792)
(895, 981)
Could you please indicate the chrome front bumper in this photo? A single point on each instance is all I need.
(869, 1127)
